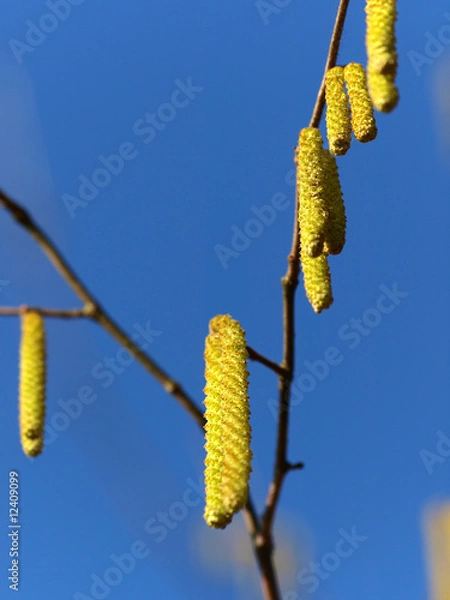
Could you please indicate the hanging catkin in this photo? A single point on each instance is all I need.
(337, 221)
(382, 53)
(313, 213)
(228, 433)
(338, 112)
(363, 120)
(32, 383)
(317, 280)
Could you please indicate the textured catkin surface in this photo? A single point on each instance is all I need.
(317, 280)
(381, 17)
(363, 120)
(337, 222)
(338, 112)
(313, 213)
(228, 433)
(32, 384)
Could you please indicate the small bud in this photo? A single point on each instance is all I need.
(32, 383)
(336, 224)
(228, 433)
(338, 112)
(317, 280)
(313, 212)
(363, 120)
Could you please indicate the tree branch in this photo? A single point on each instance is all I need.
(95, 310)
(289, 286)
(257, 357)
(75, 313)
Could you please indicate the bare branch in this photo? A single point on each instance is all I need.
(257, 357)
(75, 313)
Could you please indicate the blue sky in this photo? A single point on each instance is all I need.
(230, 93)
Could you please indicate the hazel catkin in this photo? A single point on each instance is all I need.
(313, 212)
(317, 281)
(382, 53)
(32, 383)
(338, 112)
(228, 433)
(337, 222)
(362, 118)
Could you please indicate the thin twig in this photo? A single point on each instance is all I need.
(331, 60)
(256, 356)
(289, 284)
(75, 313)
(95, 310)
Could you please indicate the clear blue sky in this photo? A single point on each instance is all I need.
(146, 245)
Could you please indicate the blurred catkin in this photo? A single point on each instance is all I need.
(363, 120)
(438, 534)
(228, 433)
(313, 213)
(317, 280)
(338, 112)
(382, 53)
(337, 221)
(32, 383)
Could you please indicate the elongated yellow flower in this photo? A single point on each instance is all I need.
(32, 384)
(228, 433)
(363, 120)
(337, 221)
(383, 91)
(317, 280)
(381, 16)
(338, 112)
(438, 533)
(382, 53)
(313, 213)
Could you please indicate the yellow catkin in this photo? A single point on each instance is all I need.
(228, 433)
(382, 53)
(438, 534)
(32, 383)
(383, 91)
(363, 120)
(338, 112)
(313, 213)
(381, 16)
(337, 221)
(317, 280)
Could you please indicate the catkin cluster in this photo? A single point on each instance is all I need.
(350, 96)
(32, 383)
(350, 110)
(228, 433)
(322, 219)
